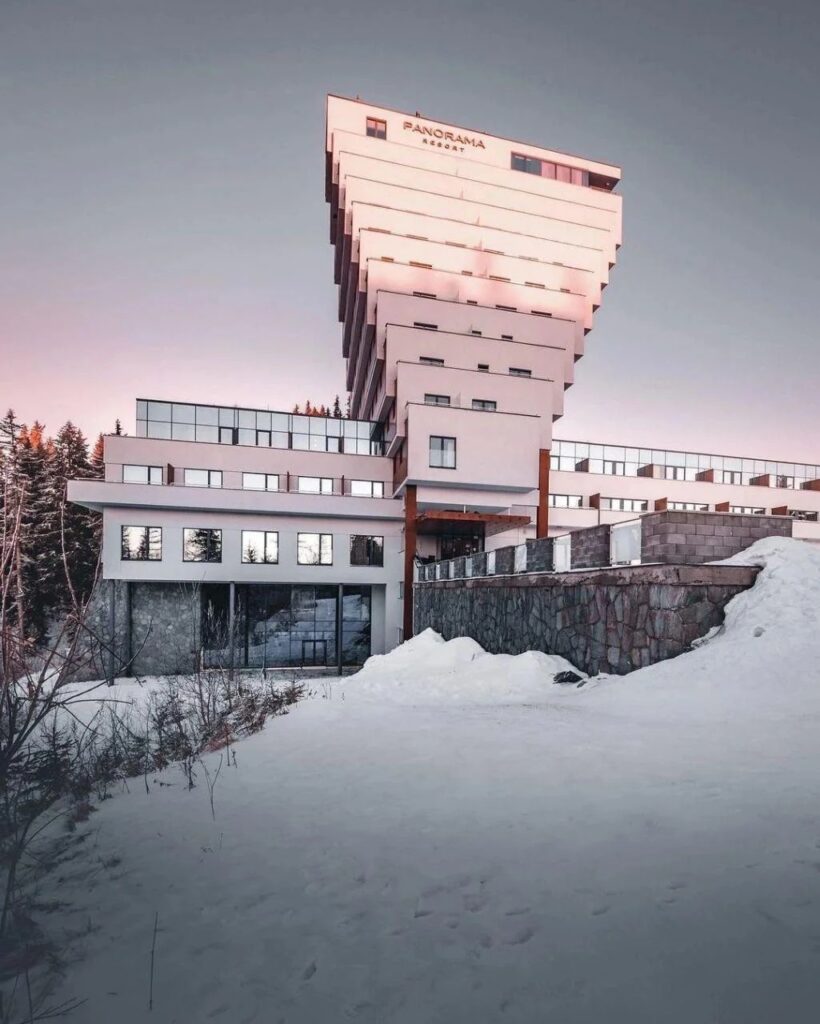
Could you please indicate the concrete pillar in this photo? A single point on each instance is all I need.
(542, 517)
(410, 514)
(231, 625)
(339, 629)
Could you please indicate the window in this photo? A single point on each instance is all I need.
(142, 474)
(427, 327)
(803, 516)
(611, 468)
(424, 295)
(507, 309)
(315, 485)
(436, 399)
(260, 481)
(747, 510)
(477, 333)
(203, 478)
(516, 371)
(625, 504)
(367, 488)
(366, 550)
(260, 546)
(141, 544)
(431, 361)
(728, 476)
(686, 506)
(226, 435)
(442, 452)
(484, 404)
(375, 128)
(201, 545)
(314, 548)
(548, 169)
(506, 337)
(565, 501)
(674, 473)
(484, 367)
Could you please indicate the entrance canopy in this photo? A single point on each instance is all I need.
(440, 521)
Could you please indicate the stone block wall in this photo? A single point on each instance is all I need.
(539, 555)
(603, 620)
(692, 538)
(589, 549)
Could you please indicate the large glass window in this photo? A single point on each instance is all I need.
(376, 128)
(565, 501)
(367, 488)
(315, 484)
(142, 474)
(260, 481)
(141, 544)
(314, 548)
(203, 477)
(365, 550)
(625, 504)
(201, 545)
(442, 452)
(260, 546)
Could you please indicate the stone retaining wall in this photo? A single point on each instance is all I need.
(606, 620)
(691, 538)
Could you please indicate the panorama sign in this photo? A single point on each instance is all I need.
(442, 138)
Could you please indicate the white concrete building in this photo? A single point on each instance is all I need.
(469, 271)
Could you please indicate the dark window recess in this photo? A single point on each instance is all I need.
(376, 128)
(517, 371)
(366, 550)
(431, 361)
(424, 295)
(428, 327)
(484, 404)
(484, 367)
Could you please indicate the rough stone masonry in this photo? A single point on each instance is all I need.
(602, 620)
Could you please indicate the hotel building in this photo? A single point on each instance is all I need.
(469, 269)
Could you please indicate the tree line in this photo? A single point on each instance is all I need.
(49, 547)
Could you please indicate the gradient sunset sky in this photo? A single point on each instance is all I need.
(164, 231)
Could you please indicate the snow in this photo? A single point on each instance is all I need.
(448, 836)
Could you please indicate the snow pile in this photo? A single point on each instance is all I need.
(436, 847)
(429, 669)
(785, 600)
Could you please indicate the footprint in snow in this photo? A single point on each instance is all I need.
(422, 913)
(309, 971)
(517, 911)
(597, 911)
(521, 936)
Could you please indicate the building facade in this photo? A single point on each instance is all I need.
(469, 269)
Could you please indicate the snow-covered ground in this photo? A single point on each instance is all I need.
(448, 836)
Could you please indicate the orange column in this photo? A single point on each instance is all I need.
(410, 512)
(542, 518)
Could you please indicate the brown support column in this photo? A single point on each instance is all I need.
(542, 517)
(410, 512)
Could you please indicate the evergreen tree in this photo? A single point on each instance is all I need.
(98, 456)
(308, 408)
(337, 408)
(71, 530)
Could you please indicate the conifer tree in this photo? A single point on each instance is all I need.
(337, 408)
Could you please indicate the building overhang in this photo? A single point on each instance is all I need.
(447, 521)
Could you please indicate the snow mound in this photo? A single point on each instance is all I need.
(430, 670)
(785, 599)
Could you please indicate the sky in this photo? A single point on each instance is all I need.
(163, 230)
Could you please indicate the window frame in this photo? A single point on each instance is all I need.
(210, 472)
(149, 473)
(431, 399)
(368, 538)
(442, 450)
(322, 537)
(377, 133)
(266, 534)
(147, 529)
(201, 561)
(484, 405)
(266, 477)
